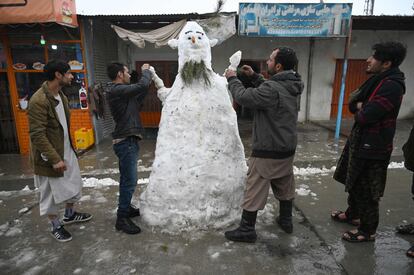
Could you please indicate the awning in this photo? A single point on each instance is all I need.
(220, 27)
(38, 11)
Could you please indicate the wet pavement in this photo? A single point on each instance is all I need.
(314, 247)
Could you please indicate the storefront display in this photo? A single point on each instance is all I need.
(24, 51)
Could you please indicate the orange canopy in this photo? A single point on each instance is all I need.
(38, 11)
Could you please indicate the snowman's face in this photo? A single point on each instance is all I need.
(193, 43)
(194, 39)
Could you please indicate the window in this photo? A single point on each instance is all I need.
(30, 54)
(69, 52)
(27, 55)
(28, 83)
(72, 91)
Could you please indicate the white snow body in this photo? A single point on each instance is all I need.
(199, 170)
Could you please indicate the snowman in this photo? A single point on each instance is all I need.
(199, 169)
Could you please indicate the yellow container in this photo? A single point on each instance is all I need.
(81, 138)
(91, 137)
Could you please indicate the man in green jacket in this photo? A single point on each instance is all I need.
(56, 168)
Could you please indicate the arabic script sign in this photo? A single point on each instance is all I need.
(294, 20)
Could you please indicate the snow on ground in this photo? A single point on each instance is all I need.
(303, 191)
(267, 216)
(25, 191)
(143, 181)
(34, 270)
(396, 165)
(105, 255)
(324, 171)
(144, 169)
(312, 170)
(98, 183)
(23, 210)
(85, 198)
(109, 171)
(94, 182)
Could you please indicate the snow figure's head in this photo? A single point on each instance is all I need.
(194, 53)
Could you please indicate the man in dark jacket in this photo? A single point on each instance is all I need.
(124, 101)
(275, 104)
(364, 161)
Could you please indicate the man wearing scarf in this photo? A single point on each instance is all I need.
(362, 167)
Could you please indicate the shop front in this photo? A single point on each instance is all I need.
(24, 50)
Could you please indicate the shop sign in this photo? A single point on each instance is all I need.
(38, 11)
(294, 20)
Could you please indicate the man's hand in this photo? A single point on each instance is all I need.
(145, 67)
(359, 105)
(229, 73)
(60, 166)
(246, 70)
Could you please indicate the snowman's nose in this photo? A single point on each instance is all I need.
(193, 39)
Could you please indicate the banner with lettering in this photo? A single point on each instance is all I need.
(294, 20)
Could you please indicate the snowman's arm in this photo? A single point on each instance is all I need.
(163, 93)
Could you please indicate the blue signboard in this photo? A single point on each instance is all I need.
(294, 20)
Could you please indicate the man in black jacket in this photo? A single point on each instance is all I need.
(275, 104)
(363, 164)
(124, 101)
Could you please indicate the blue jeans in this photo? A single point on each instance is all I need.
(127, 153)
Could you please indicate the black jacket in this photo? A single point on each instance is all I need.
(378, 116)
(124, 102)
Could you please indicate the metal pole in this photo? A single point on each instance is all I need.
(342, 93)
(309, 82)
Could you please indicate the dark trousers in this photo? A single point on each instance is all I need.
(364, 207)
(127, 153)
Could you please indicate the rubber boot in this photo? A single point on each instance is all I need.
(246, 231)
(285, 216)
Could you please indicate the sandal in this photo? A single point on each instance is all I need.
(358, 237)
(405, 229)
(335, 216)
(410, 252)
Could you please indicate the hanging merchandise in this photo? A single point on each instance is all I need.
(83, 98)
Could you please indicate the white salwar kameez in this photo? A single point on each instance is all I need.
(55, 190)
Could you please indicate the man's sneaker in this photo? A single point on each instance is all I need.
(133, 211)
(60, 234)
(77, 217)
(125, 224)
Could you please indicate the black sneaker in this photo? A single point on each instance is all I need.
(77, 217)
(133, 211)
(61, 235)
(125, 224)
